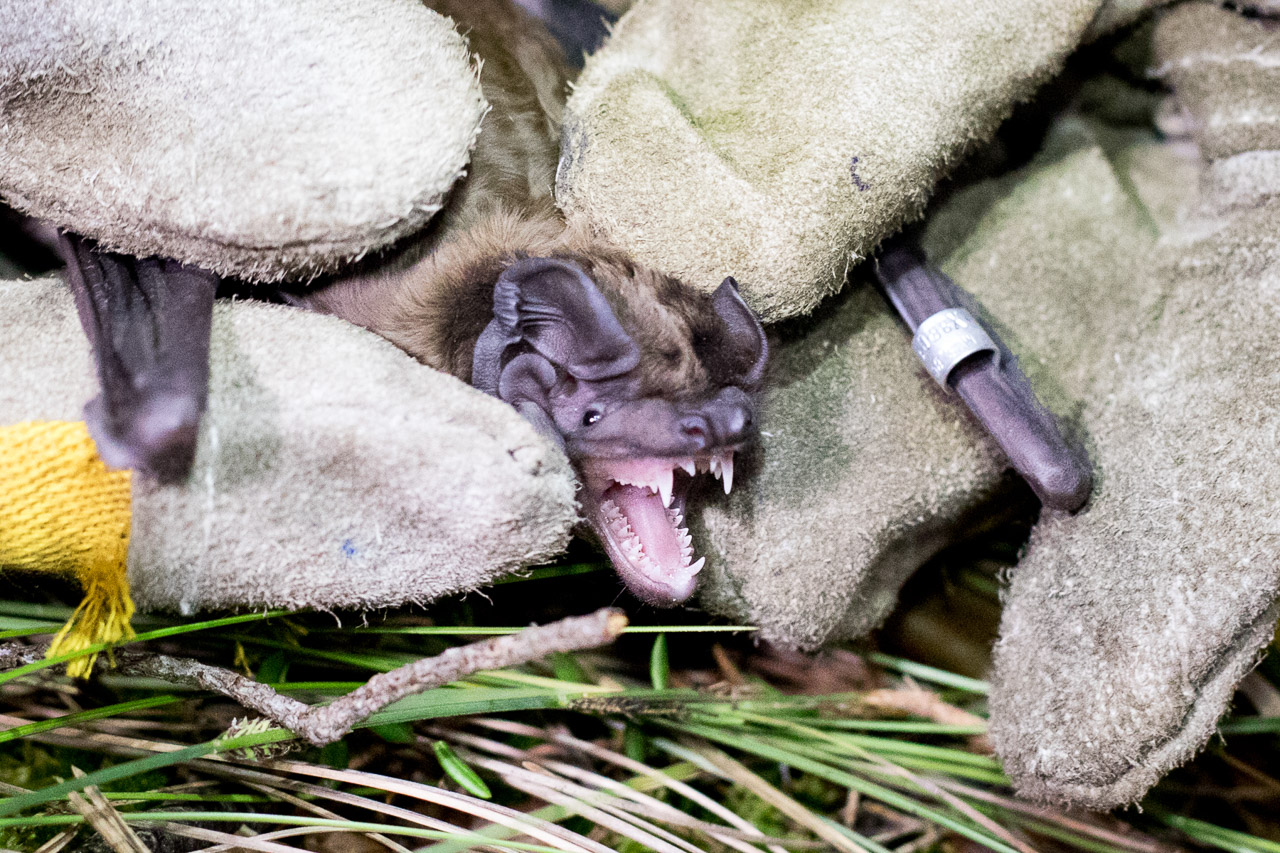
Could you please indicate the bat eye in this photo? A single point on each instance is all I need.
(590, 416)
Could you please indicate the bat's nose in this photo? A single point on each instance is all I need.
(697, 430)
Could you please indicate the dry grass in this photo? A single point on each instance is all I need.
(677, 739)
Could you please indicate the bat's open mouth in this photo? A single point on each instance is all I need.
(636, 506)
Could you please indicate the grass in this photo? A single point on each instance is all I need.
(680, 738)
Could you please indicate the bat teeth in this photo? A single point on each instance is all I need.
(689, 466)
(618, 522)
(726, 470)
(610, 511)
(694, 568)
(664, 485)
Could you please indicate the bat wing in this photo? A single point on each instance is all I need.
(148, 322)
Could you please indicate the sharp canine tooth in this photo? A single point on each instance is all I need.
(726, 466)
(694, 568)
(664, 486)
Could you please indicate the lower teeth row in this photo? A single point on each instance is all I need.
(616, 518)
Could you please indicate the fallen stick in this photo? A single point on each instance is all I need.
(320, 725)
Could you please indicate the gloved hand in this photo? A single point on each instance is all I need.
(332, 470)
(1142, 314)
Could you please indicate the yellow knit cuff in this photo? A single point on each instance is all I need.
(62, 510)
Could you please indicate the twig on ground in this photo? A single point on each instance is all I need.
(16, 654)
(326, 724)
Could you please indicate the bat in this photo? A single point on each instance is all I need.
(645, 382)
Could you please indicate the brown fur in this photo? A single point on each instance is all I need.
(434, 297)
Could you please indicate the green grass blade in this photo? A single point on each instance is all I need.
(208, 624)
(879, 745)
(910, 727)
(763, 749)
(168, 631)
(498, 631)
(460, 771)
(287, 820)
(13, 805)
(119, 709)
(1251, 726)
(659, 663)
(12, 627)
(1211, 835)
(930, 674)
(163, 797)
(58, 613)
(453, 702)
(544, 572)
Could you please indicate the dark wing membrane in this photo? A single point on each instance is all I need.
(148, 322)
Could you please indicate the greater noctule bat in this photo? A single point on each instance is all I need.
(643, 380)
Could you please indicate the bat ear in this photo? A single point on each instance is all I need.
(526, 384)
(557, 309)
(745, 331)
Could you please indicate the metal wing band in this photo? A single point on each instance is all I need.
(945, 339)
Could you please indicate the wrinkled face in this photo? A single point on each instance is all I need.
(646, 388)
(637, 455)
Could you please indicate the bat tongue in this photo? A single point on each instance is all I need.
(651, 523)
(637, 508)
